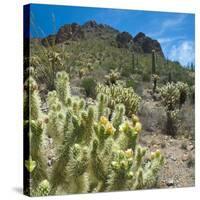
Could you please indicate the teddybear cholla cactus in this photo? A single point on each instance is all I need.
(33, 130)
(118, 94)
(112, 77)
(96, 149)
(170, 95)
(173, 94)
(183, 90)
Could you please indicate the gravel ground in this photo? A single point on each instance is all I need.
(179, 154)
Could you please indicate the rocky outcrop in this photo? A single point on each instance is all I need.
(124, 40)
(49, 40)
(140, 43)
(69, 31)
(147, 44)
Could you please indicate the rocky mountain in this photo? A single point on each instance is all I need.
(92, 30)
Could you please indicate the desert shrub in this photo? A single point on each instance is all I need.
(119, 94)
(89, 84)
(94, 152)
(151, 117)
(47, 62)
(187, 115)
(134, 81)
(192, 94)
(146, 77)
(191, 162)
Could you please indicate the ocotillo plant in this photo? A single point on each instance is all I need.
(97, 150)
(155, 77)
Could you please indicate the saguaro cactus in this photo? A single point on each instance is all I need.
(153, 62)
(133, 62)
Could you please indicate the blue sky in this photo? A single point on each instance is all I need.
(175, 31)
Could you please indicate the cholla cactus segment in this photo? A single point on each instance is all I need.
(118, 117)
(129, 153)
(117, 94)
(82, 72)
(151, 175)
(34, 60)
(139, 184)
(102, 104)
(62, 85)
(155, 77)
(52, 99)
(33, 100)
(43, 188)
(135, 119)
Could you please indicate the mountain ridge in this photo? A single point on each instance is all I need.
(140, 43)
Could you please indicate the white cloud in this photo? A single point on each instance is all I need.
(184, 52)
(172, 23)
(164, 40)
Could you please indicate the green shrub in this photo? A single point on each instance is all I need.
(89, 84)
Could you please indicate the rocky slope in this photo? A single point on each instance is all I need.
(92, 30)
